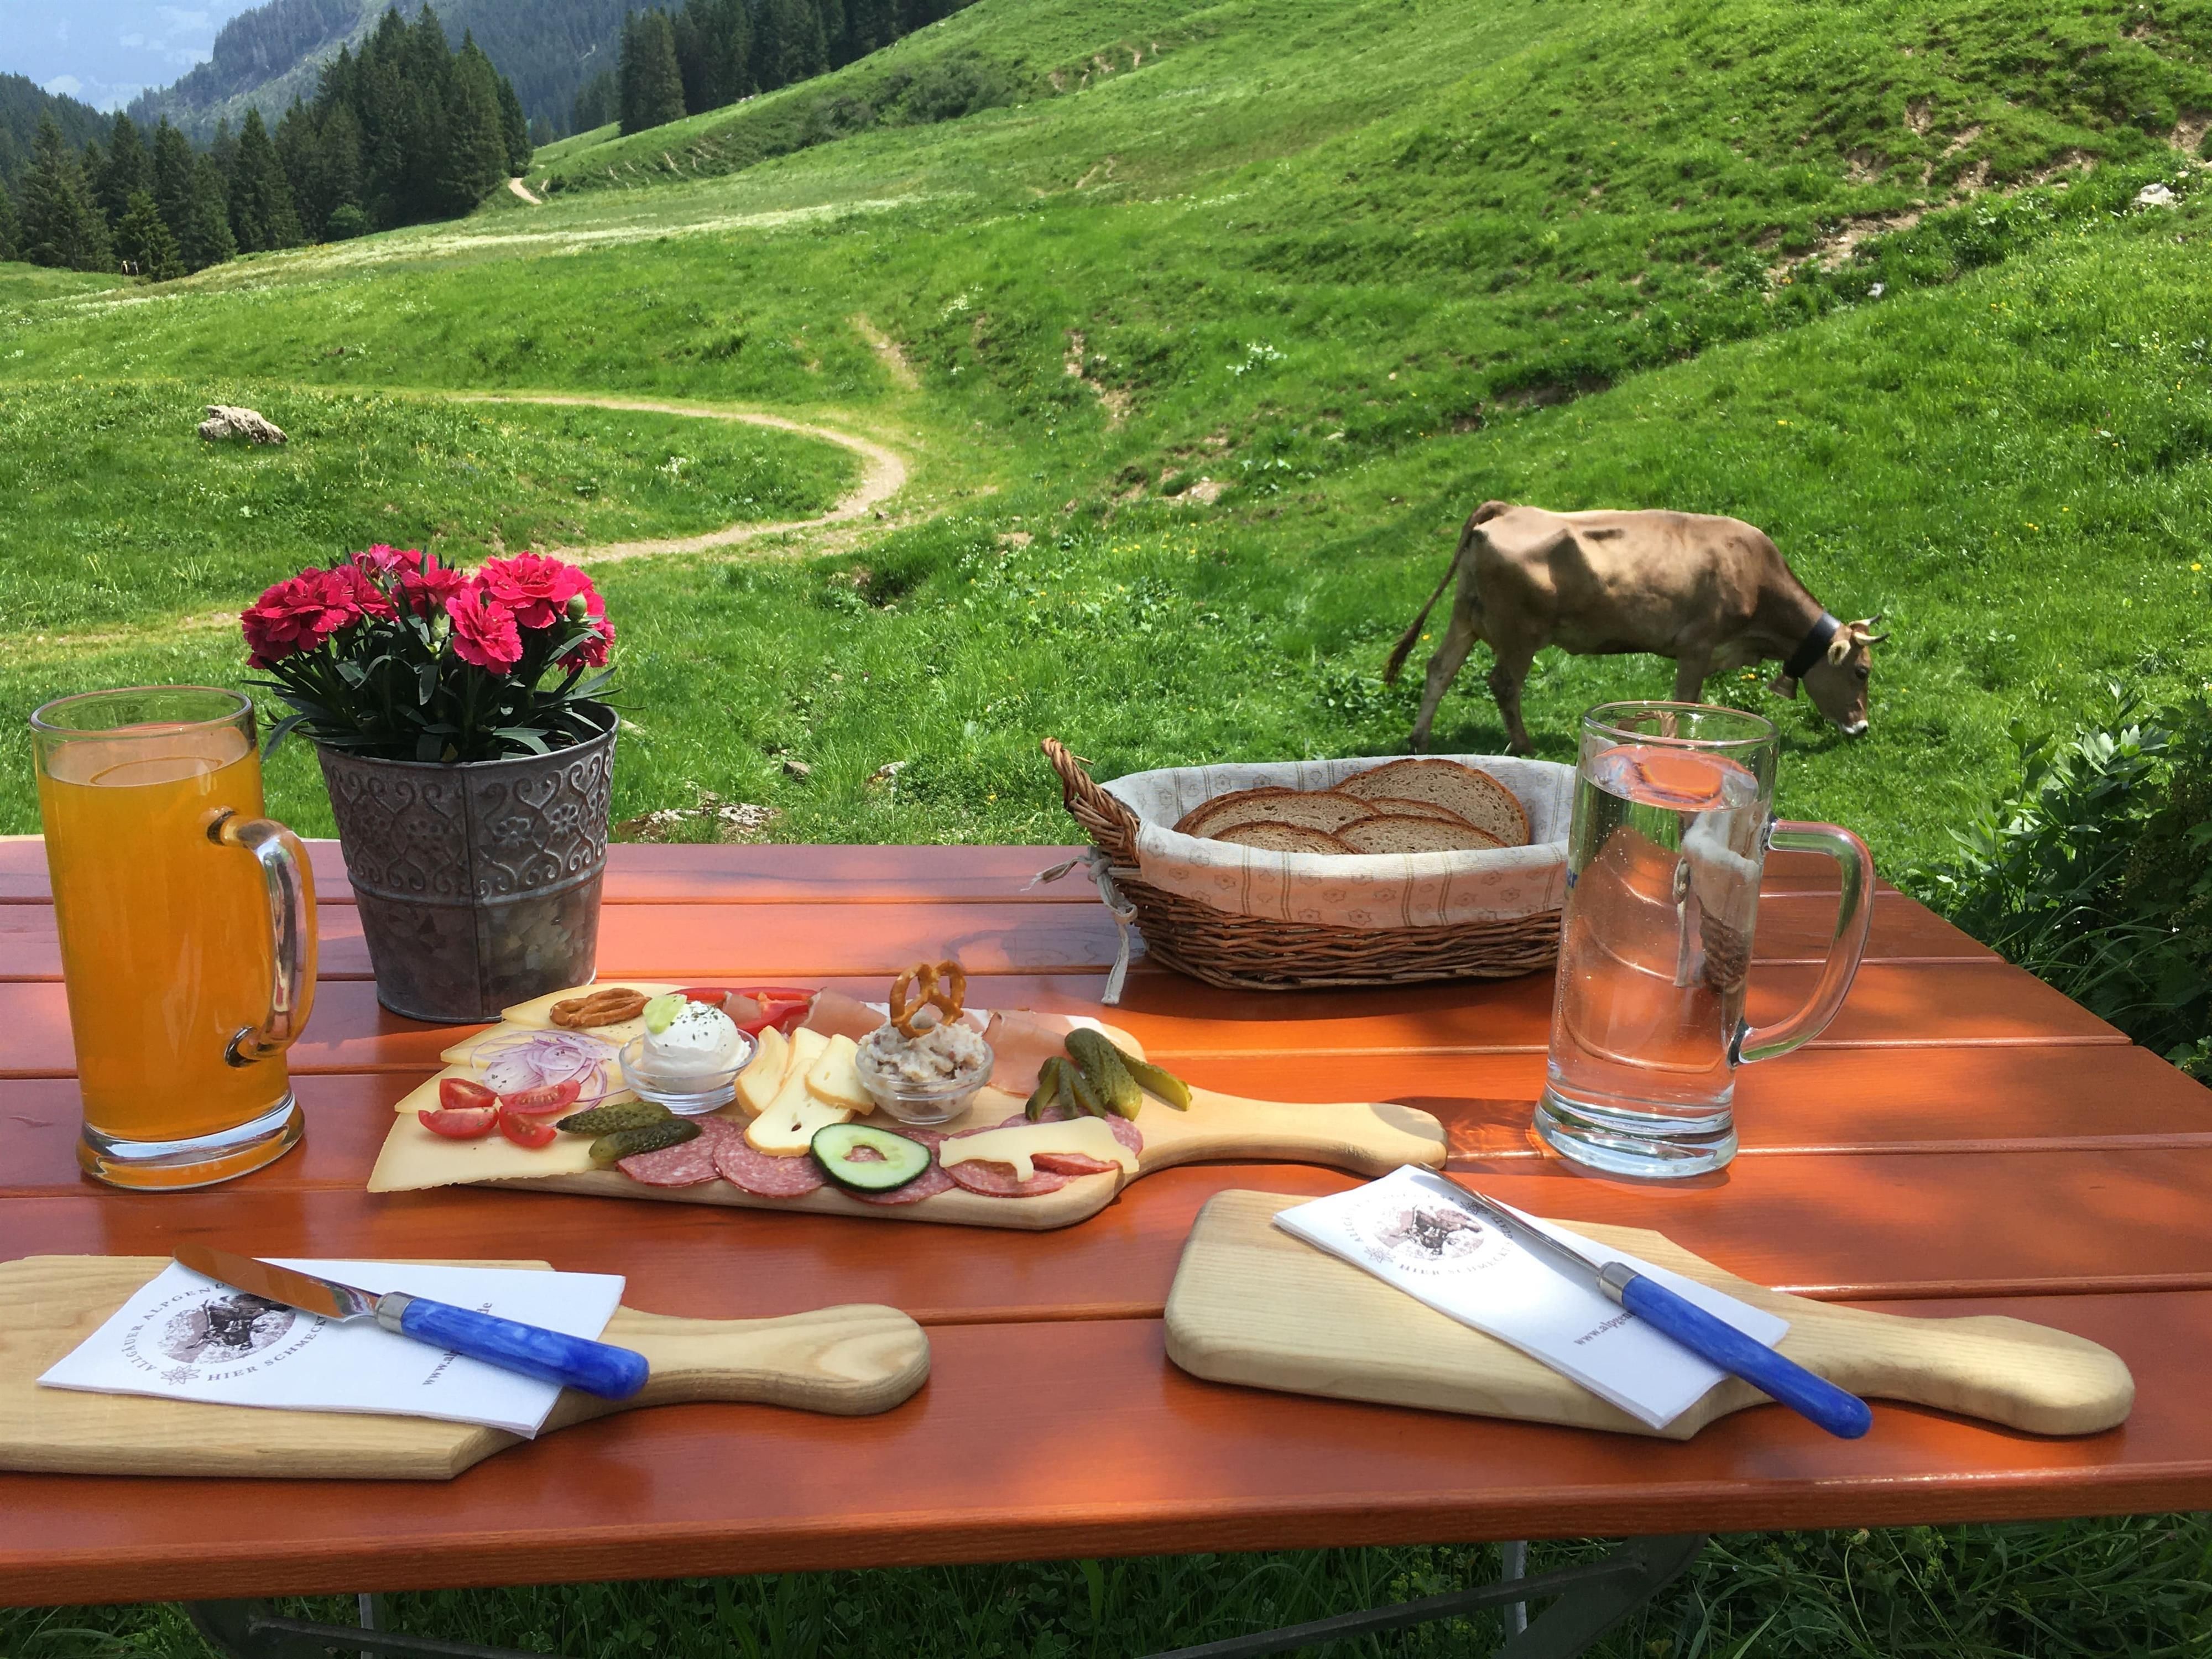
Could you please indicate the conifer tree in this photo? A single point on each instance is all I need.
(143, 243)
(835, 54)
(870, 26)
(515, 126)
(651, 85)
(205, 238)
(714, 48)
(8, 228)
(125, 172)
(171, 171)
(262, 213)
(474, 158)
(60, 224)
(801, 50)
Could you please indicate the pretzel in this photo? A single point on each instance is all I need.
(922, 981)
(610, 1004)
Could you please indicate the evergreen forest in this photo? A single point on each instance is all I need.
(713, 53)
(407, 130)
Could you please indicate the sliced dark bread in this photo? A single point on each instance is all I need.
(1277, 837)
(1403, 806)
(1315, 809)
(1475, 796)
(1389, 833)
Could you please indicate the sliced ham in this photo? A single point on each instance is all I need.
(836, 1014)
(1020, 1044)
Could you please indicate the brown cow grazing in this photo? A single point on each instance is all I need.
(1710, 593)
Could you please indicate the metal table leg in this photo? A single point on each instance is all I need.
(1595, 1595)
(247, 1629)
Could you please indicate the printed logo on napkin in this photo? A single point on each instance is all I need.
(1412, 1231)
(183, 1336)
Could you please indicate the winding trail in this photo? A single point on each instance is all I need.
(523, 191)
(883, 474)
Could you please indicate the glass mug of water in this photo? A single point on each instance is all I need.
(1672, 824)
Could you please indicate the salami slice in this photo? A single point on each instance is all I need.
(764, 1175)
(997, 1179)
(691, 1165)
(1077, 1163)
(931, 1181)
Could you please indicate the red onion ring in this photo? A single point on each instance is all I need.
(524, 1060)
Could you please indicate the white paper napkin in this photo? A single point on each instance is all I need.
(1413, 1231)
(184, 1336)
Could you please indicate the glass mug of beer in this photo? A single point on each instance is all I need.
(1672, 824)
(187, 926)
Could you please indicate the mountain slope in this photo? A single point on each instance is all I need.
(265, 58)
(22, 106)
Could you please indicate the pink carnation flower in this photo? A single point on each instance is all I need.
(485, 631)
(591, 653)
(535, 588)
(302, 611)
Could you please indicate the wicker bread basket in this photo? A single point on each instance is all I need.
(1247, 950)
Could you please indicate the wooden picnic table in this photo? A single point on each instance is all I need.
(1962, 1140)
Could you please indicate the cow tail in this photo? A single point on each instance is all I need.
(1412, 636)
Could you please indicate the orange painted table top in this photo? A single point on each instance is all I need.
(1962, 1140)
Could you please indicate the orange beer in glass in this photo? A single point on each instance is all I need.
(187, 924)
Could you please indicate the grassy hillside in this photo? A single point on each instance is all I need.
(1201, 330)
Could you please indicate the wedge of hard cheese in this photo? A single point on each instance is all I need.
(835, 1080)
(764, 1074)
(786, 1126)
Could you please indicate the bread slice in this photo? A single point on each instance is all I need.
(1390, 833)
(1275, 836)
(1402, 806)
(1320, 810)
(1474, 796)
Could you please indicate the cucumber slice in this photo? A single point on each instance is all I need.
(898, 1159)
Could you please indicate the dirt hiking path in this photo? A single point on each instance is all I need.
(883, 474)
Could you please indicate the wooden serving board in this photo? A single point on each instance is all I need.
(1252, 1304)
(1365, 1138)
(850, 1361)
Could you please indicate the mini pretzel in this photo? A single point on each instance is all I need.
(917, 989)
(610, 1005)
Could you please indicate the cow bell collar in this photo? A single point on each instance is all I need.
(1811, 647)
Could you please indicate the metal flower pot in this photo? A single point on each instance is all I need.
(477, 883)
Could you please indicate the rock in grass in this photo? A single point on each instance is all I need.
(225, 421)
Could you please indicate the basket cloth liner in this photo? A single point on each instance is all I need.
(1374, 891)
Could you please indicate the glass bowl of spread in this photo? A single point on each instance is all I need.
(689, 1058)
(929, 1078)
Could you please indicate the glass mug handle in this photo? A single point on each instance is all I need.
(1854, 866)
(290, 886)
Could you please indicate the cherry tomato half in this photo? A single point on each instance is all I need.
(527, 1131)
(458, 1094)
(460, 1123)
(545, 1098)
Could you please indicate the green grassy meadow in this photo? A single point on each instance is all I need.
(1199, 344)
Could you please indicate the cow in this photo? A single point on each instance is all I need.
(1712, 593)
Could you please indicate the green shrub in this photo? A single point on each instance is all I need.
(2095, 872)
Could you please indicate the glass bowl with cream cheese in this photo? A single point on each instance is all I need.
(689, 1058)
(928, 1078)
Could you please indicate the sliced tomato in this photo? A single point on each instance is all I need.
(458, 1094)
(544, 1097)
(460, 1123)
(776, 993)
(526, 1131)
(713, 995)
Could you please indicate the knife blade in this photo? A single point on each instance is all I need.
(574, 1362)
(1811, 1396)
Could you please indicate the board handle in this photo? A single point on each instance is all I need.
(1815, 1397)
(574, 1362)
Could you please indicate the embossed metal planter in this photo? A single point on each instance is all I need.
(477, 883)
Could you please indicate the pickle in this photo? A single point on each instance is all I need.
(1103, 1069)
(605, 1120)
(1047, 1089)
(1079, 1089)
(1069, 1076)
(1165, 1084)
(645, 1137)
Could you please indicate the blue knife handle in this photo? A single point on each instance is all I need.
(574, 1362)
(1838, 1411)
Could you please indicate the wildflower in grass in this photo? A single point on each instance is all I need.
(484, 630)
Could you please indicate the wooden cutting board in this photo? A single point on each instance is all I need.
(1251, 1305)
(851, 1361)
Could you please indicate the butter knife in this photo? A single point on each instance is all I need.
(1840, 1412)
(574, 1362)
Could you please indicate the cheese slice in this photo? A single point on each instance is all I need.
(806, 1048)
(833, 1079)
(1091, 1137)
(787, 1130)
(763, 1077)
(414, 1158)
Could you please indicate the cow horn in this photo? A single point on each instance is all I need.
(1872, 639)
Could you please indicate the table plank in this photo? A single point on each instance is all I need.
(1037, 1441)
(1892, 1004)
(1816, 1103)
(995, 936)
